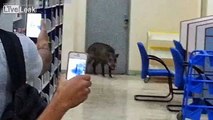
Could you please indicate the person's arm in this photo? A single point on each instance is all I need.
(69, 94)
(44, 49)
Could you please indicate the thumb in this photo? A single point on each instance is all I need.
(43, 25)
(61, 78)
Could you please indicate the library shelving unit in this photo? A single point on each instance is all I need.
(198, 90)
(159, 44)
(52, 13)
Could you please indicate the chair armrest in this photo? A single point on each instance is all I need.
(198, 70)
(151, 57)
(155, 57)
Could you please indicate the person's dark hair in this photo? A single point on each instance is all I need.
(2, 3)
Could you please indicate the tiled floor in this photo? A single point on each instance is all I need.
(112, 99)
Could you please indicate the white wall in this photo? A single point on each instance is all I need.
(209, 7)
(74, 28)
(157, 15)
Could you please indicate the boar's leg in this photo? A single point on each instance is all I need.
(102, 67)
(110, 72)
(89, 60)
(94, 67)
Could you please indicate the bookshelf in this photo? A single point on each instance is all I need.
(52, 13)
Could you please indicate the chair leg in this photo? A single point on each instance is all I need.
(146, 80)
(179, 115)
(177, 91)
(173, 108)
(153, 98)
(157, 98)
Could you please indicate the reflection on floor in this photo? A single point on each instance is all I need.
(112, 99)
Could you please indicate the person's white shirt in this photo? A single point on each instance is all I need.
(33, 63)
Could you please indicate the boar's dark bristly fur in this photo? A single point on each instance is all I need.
(100, 53)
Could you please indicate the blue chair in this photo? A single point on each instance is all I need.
(180, 49)
(179, 68)
(179, 77)
(183, 52)
(146, 73)
(179, 55)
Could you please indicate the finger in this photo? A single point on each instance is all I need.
(85, 84)
(61, 78)
(83, 99)
(82, 96)
(84, 77)
(84, 92)
(43, 25)
(88, 84)
(87, 90)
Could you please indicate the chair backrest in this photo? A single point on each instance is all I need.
(180, 48)
(144, 60)
(179, 68)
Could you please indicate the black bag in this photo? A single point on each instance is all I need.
(27, 104)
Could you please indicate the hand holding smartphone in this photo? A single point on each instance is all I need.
(76, 64)
(33, 24)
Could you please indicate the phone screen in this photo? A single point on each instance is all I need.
(76, 64)
(33, 24)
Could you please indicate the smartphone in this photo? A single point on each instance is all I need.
(76, 64)
(33, 25)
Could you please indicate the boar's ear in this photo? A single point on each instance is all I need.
(116, 55)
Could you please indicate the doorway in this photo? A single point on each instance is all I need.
(108, 22)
